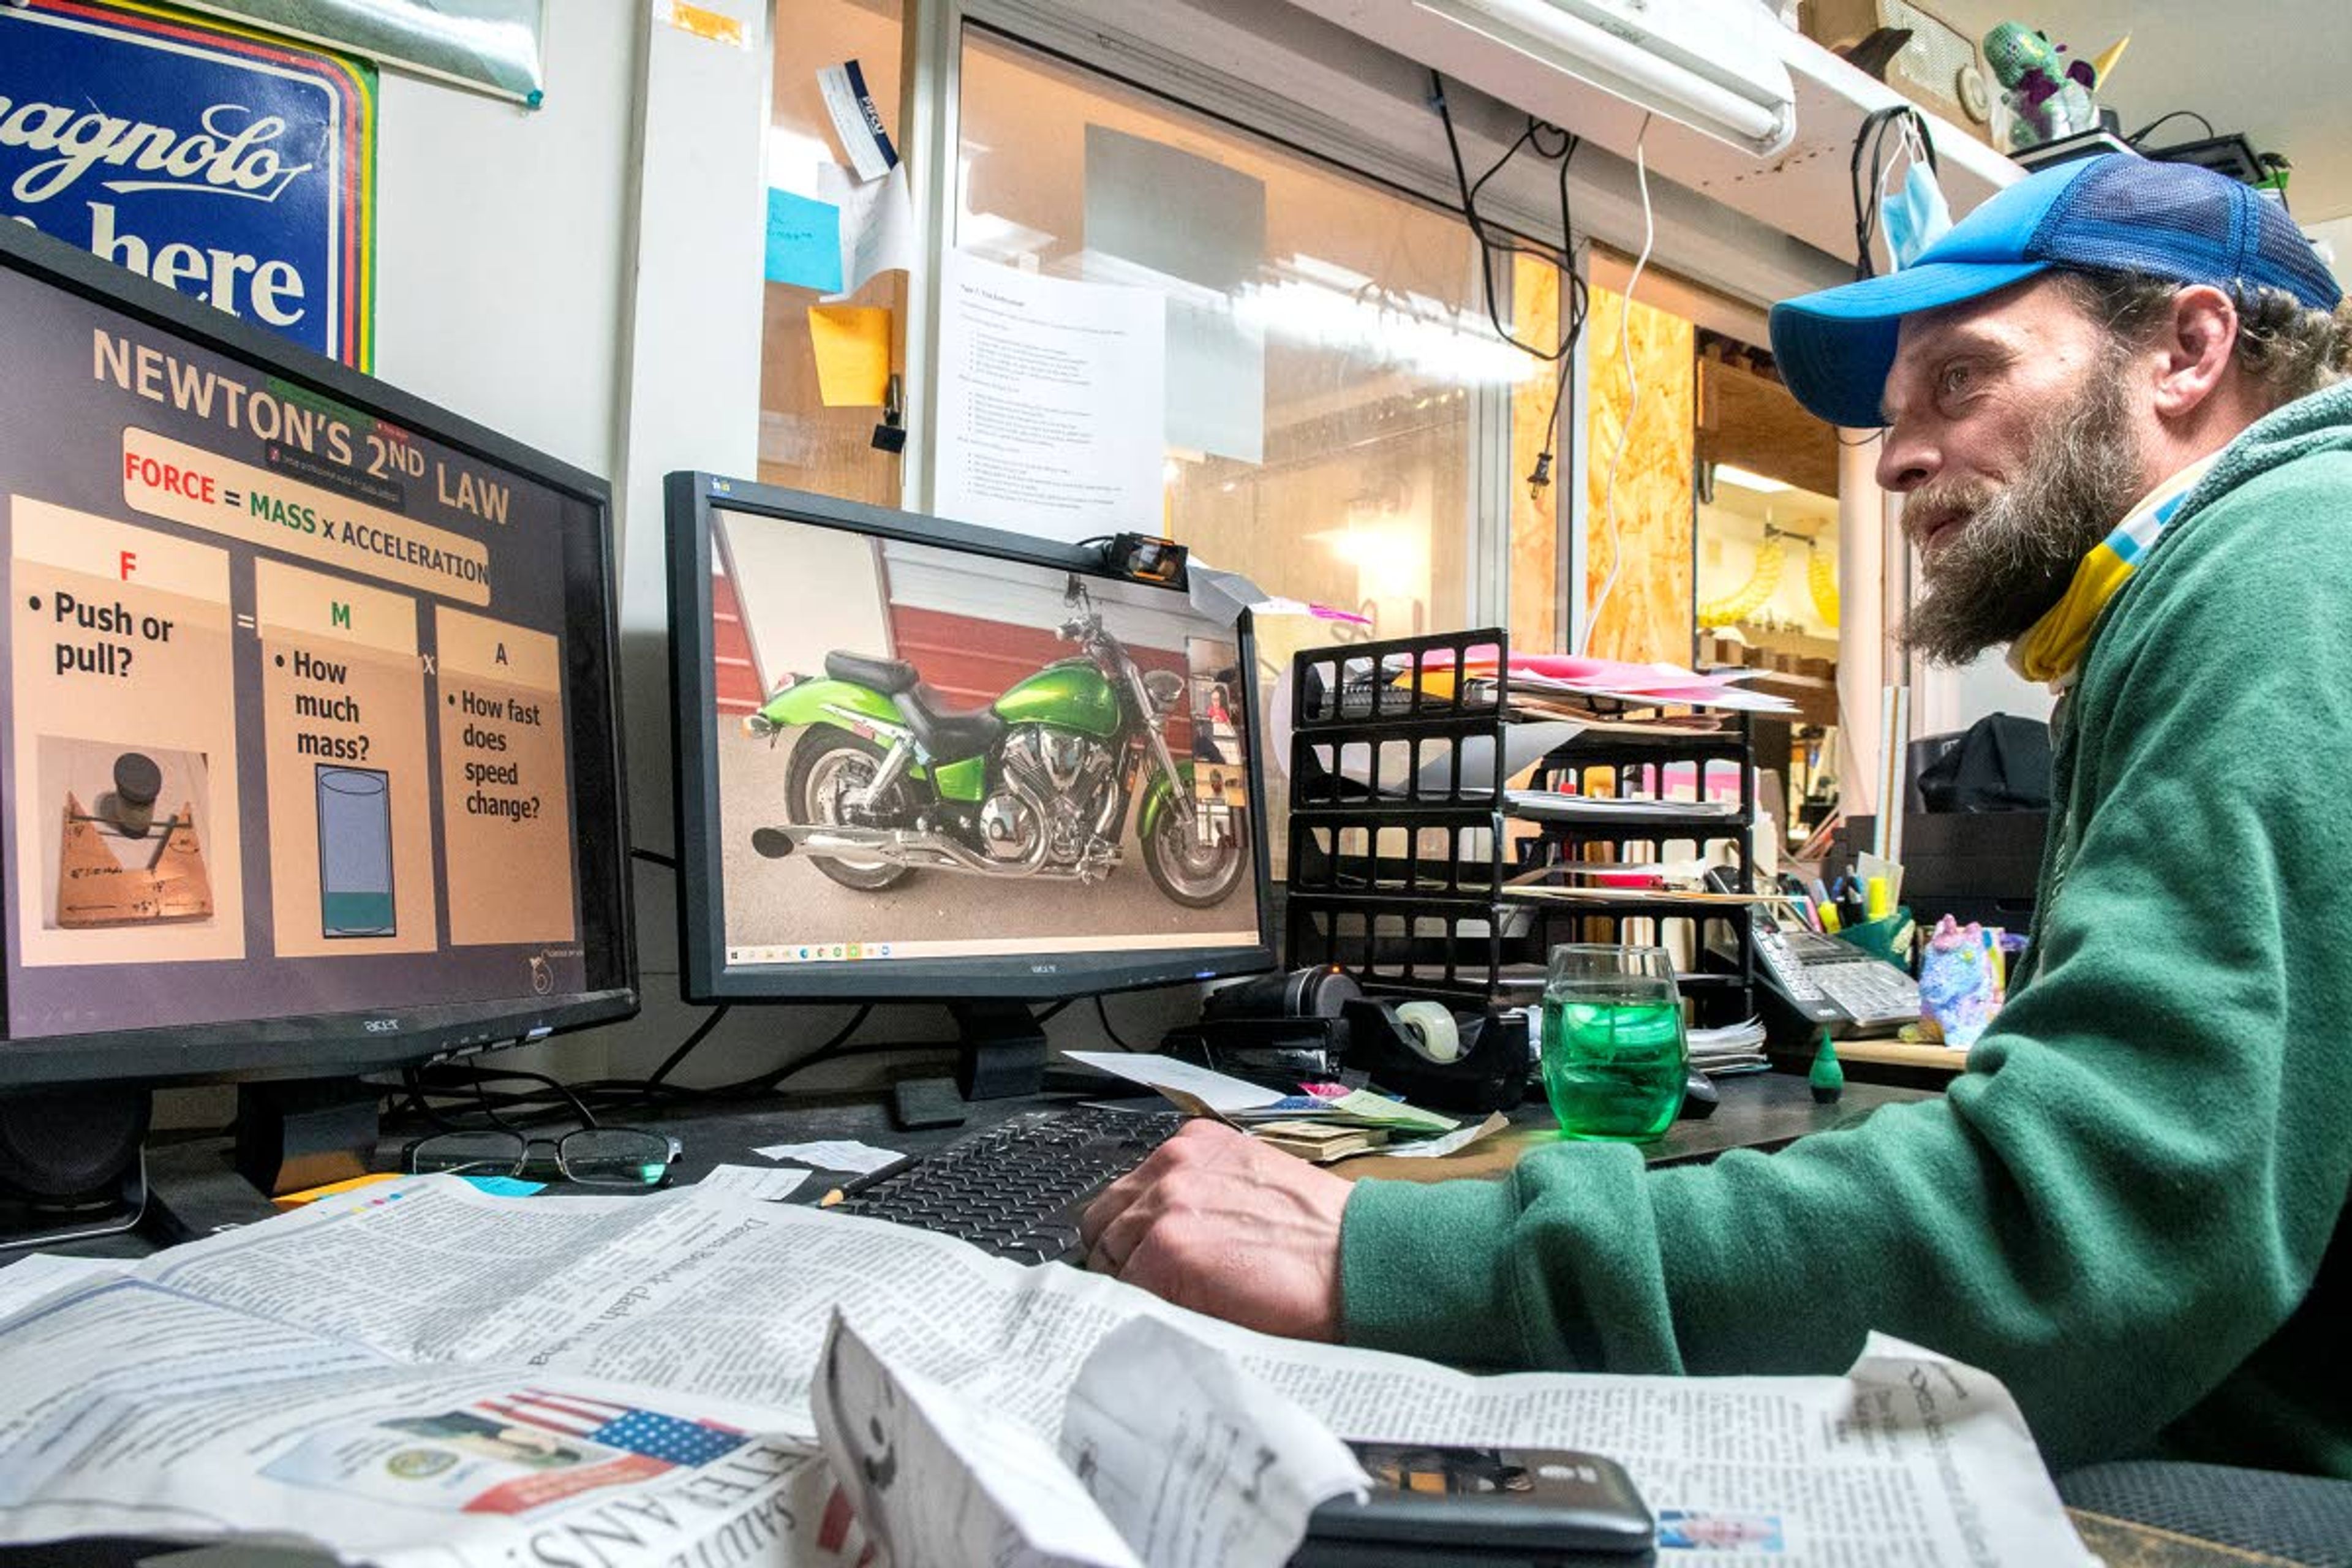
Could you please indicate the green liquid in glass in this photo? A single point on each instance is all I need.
(1614, 1066)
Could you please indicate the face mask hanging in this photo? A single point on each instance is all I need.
(1916, 214)
(1912, 207)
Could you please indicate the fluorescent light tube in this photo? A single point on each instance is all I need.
(1725, 474)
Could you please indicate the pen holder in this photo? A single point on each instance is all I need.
(1877, 938)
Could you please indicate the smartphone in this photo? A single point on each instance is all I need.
(1549, 1507)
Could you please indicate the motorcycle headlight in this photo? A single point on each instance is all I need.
(1164, 687)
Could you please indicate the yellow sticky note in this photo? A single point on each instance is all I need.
(295, 1200)
(852, 354)
(702, 22)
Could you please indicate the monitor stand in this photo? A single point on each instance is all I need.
(999, 1049)
(290, 1135)
(297, 1133)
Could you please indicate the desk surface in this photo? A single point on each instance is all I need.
(1760, 1110)
(1757, 1110)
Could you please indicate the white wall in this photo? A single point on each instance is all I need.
(501, 250)
(501, 240)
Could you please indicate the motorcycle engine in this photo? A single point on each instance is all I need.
(1050, 782)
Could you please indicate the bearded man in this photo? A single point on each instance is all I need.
(2112, 402)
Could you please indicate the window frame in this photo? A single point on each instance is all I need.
(1327, 96)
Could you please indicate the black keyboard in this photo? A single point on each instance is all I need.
(1016, 1189)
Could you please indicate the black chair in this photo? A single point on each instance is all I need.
(2293, 1518)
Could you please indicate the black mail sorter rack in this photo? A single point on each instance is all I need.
(1412, 865)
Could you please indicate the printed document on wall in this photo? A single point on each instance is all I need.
(1051, 400)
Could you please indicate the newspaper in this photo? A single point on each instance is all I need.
(1169, 1458)
(173, 1401)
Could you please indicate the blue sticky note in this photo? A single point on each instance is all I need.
(506, 1186)
(804, 242)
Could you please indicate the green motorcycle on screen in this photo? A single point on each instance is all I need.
(886, 779)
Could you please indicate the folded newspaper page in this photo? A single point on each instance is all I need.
(1170, 1459)
(212, 1391)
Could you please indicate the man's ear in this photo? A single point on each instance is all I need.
(2192, 350)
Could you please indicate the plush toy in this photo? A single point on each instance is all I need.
(2047, 98)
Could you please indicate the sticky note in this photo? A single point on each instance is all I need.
(852, 354)
(505, 1186)
(804, 242)
(702, 22)
(292, 1200)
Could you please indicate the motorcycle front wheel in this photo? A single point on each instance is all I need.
(1194, 875)
(826, 763)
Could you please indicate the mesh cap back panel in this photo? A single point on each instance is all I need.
(2129, 215)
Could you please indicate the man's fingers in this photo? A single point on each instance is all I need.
(1192, 1140)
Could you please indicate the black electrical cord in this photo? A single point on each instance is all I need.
(1491, 246)
(654, 856)
(1872, 140)
(2139, 135)
(474, 1083)
(761, 1083)
(700, 1032)
(1104, 1014)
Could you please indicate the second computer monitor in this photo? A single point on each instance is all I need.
(923, 760)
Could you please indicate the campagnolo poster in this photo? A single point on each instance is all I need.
(493, 45)
(231, 166)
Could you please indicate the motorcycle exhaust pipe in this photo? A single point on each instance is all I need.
(903, 848)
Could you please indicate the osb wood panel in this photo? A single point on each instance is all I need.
(1751, 422)
(1535, 528)
(1648, 612)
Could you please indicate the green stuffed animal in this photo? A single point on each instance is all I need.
(2047, 98)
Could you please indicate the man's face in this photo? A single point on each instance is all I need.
(2016, 431)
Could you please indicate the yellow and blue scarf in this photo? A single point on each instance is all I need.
(2052, 649)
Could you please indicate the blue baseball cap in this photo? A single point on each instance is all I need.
(2117, 212)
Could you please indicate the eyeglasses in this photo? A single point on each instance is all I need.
(593, 1156)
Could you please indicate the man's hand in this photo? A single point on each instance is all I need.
(1223, 1224)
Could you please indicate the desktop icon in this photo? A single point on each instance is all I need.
(854, 952)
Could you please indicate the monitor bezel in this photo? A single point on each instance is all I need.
(689, 499)
(353, 1041)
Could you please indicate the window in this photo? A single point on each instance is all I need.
(1332, 370)
(803, 443)
(1333, 376)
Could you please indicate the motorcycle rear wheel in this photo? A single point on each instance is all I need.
(826, 761)
(1196, 876)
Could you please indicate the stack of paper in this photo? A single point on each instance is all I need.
(1200, 1092)
(1736, 1048)
(1321, 1143)
(1552, 803)
(1575, 679)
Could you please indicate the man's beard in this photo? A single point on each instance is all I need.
(2012, 558)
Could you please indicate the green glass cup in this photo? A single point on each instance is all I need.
(1615, 1054)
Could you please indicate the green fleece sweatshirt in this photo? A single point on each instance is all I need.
(2125, 1207)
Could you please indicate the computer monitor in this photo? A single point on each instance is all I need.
(921, 760)
(308, 709)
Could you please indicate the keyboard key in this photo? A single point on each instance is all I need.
(1016, 1189)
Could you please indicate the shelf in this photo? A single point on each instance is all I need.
(1633, 817)
(1408, 918)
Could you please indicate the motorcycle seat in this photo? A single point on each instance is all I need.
(888, 675)
(948, 735)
